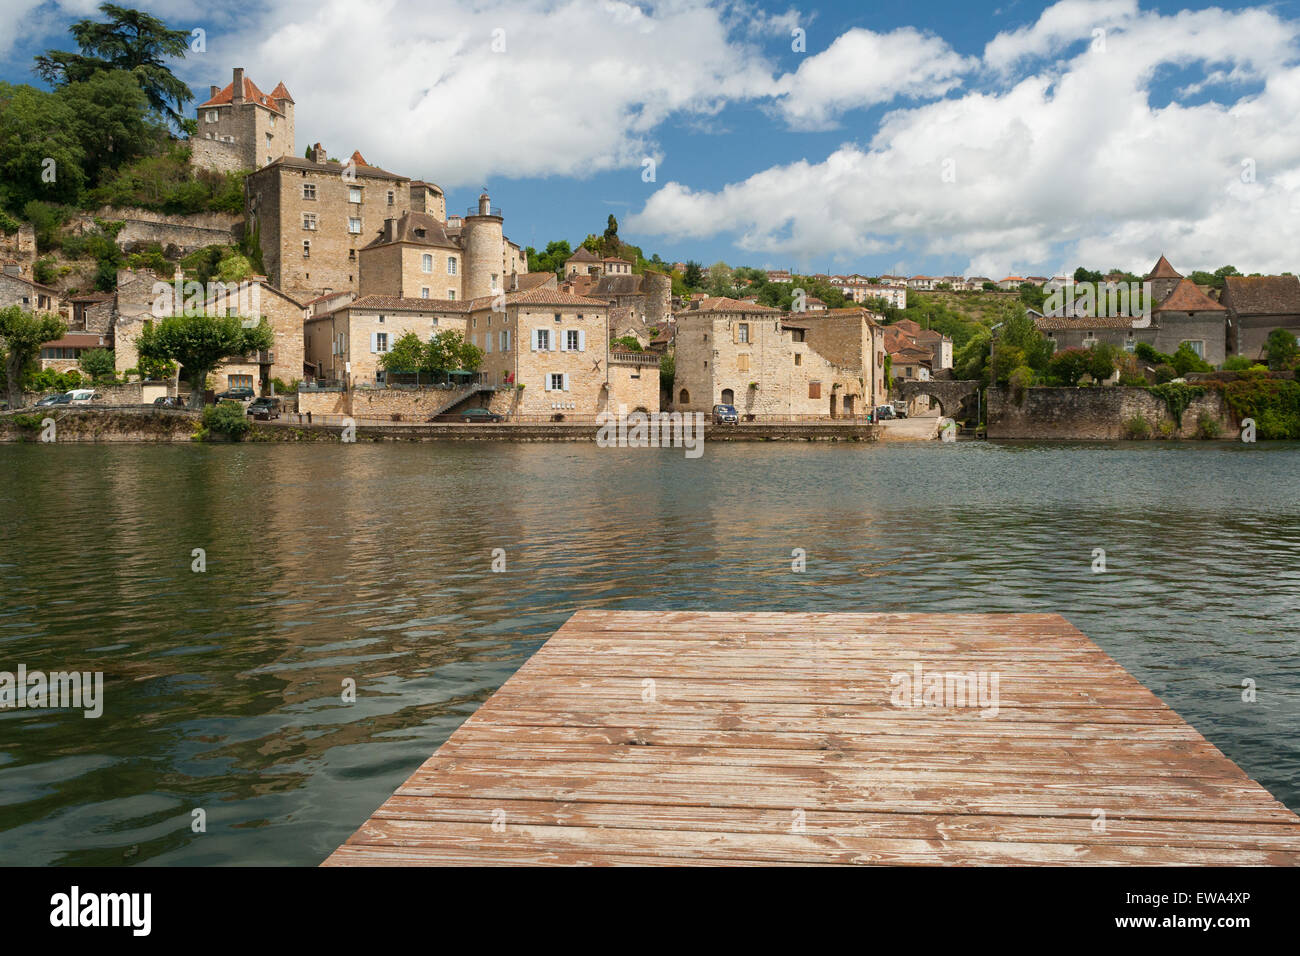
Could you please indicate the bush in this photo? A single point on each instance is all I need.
(1207, 426)
(1137, 428)
(45, 270)
(281, 388)
(1165, 373)
(227, 418)
(98, 364)
(1020, 380)
(1168, 429)
(1237, 363)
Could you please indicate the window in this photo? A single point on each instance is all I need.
(379, 341)
(742, 332)
(684, 398)
(494, 280)
(306, 249)
(426, 262)
(272, 122)
(268, 140)
(451, 265)
(381, 320)
(354, 225)
(542, 340)
(557, 382)
(211, 116)
(451, 294)
(505, 340)
(728, 397)
(309, 220)
(742, 364)
(1130, 345)
(573, 340)
(814, 389)
(798, 358)
(1197, 346)
(308, 190)
(420, 233)
(557, 316)
(239, 381)
(424, 292)
(354, 194)
(380, 375)
(390, 197)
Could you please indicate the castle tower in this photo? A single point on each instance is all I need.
(484, 250)
(658, 296)
(1164, 278)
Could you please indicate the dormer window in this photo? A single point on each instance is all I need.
(419, 233)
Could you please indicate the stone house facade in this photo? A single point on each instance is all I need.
(773, 364)
(345, 342)
(240, 127)
(414, 258)
(313, 217)
(284, 314)
(1257, 305)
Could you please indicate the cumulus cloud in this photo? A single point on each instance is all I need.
(862, 68)
(1072, 163)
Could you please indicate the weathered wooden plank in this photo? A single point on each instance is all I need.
(755, 718)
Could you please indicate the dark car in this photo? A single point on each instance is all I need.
(265, 408)
(884, 413)
(725, 415)
(235, 395)
(470, 415)
(63, 398)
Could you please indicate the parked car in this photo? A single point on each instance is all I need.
(59, 399)
(725, 415)
(169, 401)
(884, 413)
(470, 415)
(900, 411)
(265, 408)
(236, 395)
(83, 396)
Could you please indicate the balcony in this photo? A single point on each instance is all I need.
(492, 211)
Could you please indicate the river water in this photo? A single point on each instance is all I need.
(372, 563)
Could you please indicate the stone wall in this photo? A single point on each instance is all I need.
(216, 155)
(634, 385)
(1095, 414)
(20, 246)
(184, 233)
(411, 404)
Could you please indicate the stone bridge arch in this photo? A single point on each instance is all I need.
(957, 400)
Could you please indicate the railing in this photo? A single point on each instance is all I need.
(638, 359)
(492, 211)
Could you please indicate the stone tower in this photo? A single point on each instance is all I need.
(484, 250)
(1164, 278)
(658, 289)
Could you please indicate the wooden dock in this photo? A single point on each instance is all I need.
(767, 738)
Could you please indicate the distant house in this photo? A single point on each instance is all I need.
(922, 283)
(1010, 283)
(1257, 305)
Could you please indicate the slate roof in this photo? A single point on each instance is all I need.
(1262, 295)
(1188, 297)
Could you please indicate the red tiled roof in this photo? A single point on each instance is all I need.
(1059, 323)
(281, 92)
(723, 304)
(1163, 270)
(1188, 297)
(1262, 295)
(397, 303)
(251, 95)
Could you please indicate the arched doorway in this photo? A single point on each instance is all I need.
(684, 398)
(728, 397)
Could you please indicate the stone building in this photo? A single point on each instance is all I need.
(412, 257)
(647, 298)
(344, 341)
(1188, 315)
(240, 127)
(1257, 305)
(312, 216)
(773, 364)
(31, 296)
(284, 314)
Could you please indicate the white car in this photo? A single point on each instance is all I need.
(83, 396)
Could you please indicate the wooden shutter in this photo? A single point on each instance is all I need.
(814, 389)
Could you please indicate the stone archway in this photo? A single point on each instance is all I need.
(956, 400)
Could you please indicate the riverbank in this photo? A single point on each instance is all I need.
(134, 424)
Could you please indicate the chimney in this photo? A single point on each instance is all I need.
(318, 154)
(237, 92)
(213, 91)
(484, 205)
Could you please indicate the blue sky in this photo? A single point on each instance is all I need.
(1016, 138)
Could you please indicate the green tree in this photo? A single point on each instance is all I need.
(1281, 349)
(694, 275)
(1102, 361)
(448, 351)
(132, 41)
(41, 156)
(111, 122)
(1185, 360)
(611, 233)
(1067, 366)
(199, 343)
(21, 336)
(98, 364)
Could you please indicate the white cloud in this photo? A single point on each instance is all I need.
(862, 68)
(1071, 163)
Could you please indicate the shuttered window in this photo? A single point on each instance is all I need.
(814, 389)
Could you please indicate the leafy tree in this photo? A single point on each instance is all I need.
(131, 40)
(41, 155)
(448, 351)
(1086, 275)
(611, 232)
(1281, 349)
(111, 121)
(199, 343)
(1069, 365)
(557, 253)
(21, 336)
(1185, 360)
(694, 275)
(627, 343)
(1102, 361)
(98, 364)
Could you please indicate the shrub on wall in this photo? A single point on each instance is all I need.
(228, 419)
(1137, 427)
